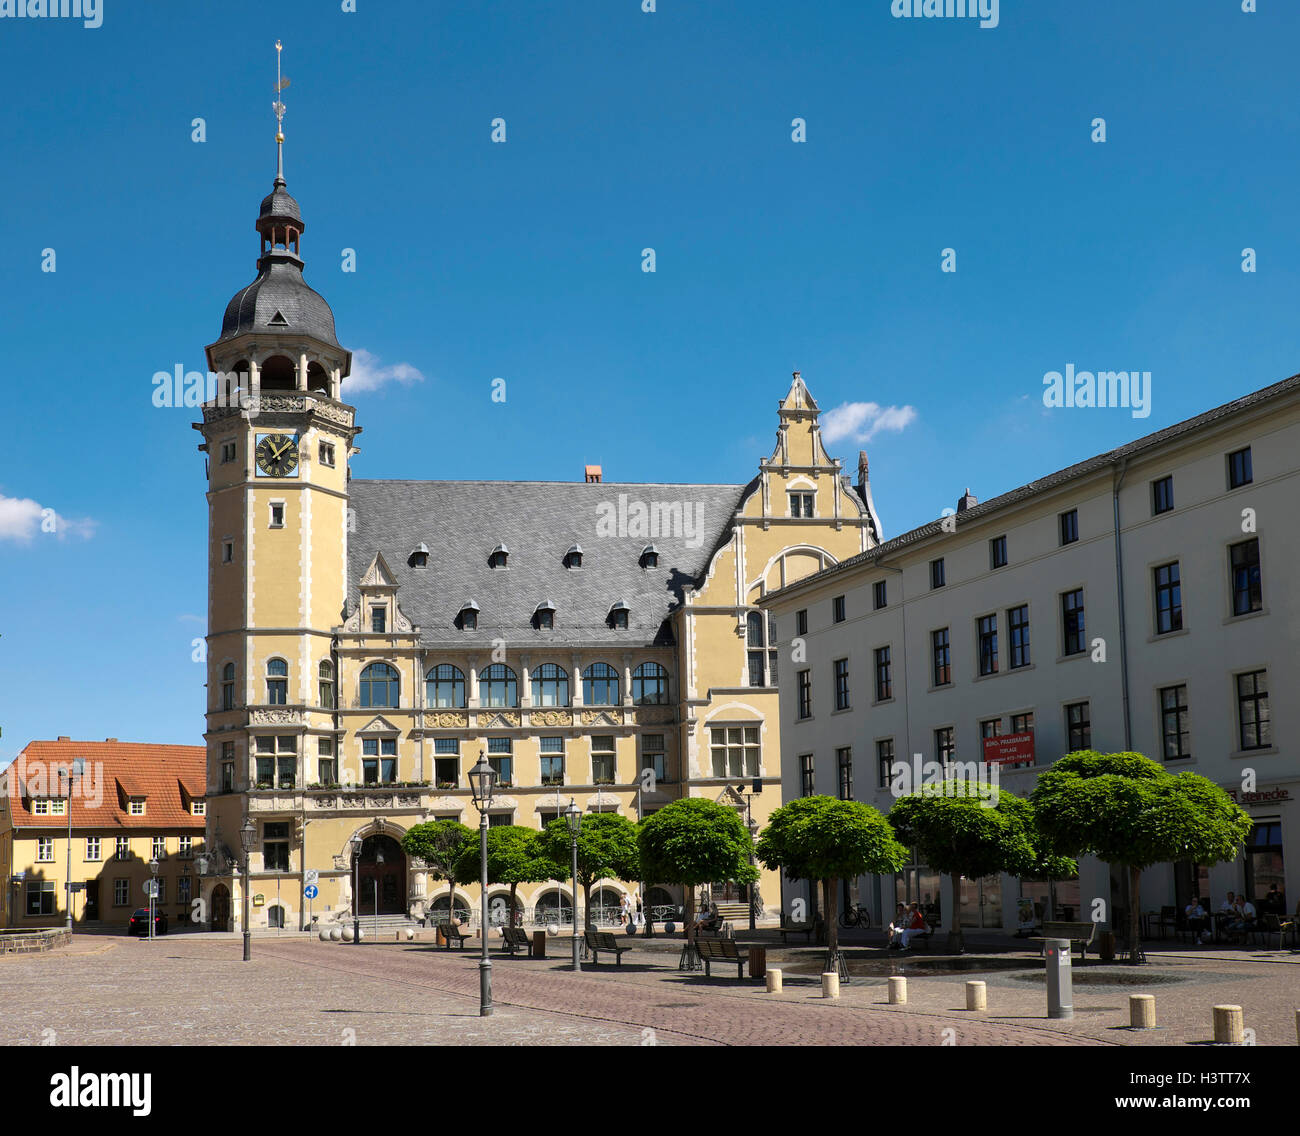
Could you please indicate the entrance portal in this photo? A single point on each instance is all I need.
(381, 875)
(221, 908)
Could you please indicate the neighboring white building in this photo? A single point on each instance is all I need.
(1142, 600)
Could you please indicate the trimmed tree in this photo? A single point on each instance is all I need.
(968, 828)
(514, 857)
(1126, 809)
(826, 839)
(441, 844)
(607, 849)
(695, 841)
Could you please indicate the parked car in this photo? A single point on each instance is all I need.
(139, 924)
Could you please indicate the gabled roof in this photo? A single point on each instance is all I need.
(162, 774)
(462, 521)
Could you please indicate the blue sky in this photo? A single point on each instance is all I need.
(625, 130)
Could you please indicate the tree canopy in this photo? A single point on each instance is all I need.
(441, 844)
(514, 856)
(607, 849)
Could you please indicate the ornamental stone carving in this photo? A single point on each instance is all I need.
(270, 403)
(506, 718)
(353, 803)
(274, 717)
(324, 802)
(552, 718)
(334, 413)
(599, 718)
(408, 800)
(446, 720)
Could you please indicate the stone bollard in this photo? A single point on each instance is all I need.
(898, 991)
(831, 984)
(410, 934)
(1228, 1025)
(774, 984)
(324, 935)
(977, 996)
(336, 934)
(1142, 1011)
(347, 934)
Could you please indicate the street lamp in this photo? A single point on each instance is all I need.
(77, 769)
(756, 787)
(247, 837)
(201, 867)
(379, 859)
(482, 783)
(573, 817)
(356, 887)
(153, 894)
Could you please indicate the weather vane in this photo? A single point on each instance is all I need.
(278, 107)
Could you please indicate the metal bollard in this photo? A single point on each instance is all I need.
(1228, 1025)
(977, 996)
(831, 984)
(774, 980)
(898, 992)
(1060, 987)
(1142, 1011)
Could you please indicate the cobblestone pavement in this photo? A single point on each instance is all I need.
(195, 989)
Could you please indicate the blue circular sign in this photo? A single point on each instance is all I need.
(311, 891)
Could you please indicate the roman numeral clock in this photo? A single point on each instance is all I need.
(277, 455)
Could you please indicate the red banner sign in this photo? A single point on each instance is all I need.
(1010, 747)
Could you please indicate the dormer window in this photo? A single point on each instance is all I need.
(135, 806)
(544, 616)
(801, 504)
(498, 557)
(379, 620)
(467, 620)
(573, 558)
(617, 617)
(420, 557)
(649, 557)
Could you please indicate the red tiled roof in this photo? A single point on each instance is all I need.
(156, 772)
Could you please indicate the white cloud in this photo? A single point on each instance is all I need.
(368, 375)
(862, 421)
(21, 519)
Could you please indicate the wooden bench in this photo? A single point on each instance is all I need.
(804, 929)
(604, 941)
(451, 931)
(722, 950)
(515, 938)
(1081, 934)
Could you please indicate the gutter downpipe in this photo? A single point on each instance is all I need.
(1119, 586)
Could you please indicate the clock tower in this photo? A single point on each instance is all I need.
(278, 439)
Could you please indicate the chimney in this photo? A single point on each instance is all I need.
(64, 738)
(110, 739)
(966, 501)
(593, 474)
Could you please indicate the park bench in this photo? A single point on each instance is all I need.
(451, 931)
(722, 950)
(516, 937)
(804, 929)
(604, 941)
(1081, 934)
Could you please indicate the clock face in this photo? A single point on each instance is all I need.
(277, 455)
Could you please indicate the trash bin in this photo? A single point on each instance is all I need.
(539, 944)
(757, 962)
(1106, 946)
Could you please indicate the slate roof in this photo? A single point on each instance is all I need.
(462, 521)
(279, 287)
(158, 772)
(1074, 472)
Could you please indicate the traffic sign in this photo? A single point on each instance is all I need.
(151, 888)
(311, 876)
(311, 891)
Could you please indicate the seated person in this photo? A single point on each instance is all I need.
(1197, 920)
(916, 925)
(707, 920)
(897, 926)
(1244, 921)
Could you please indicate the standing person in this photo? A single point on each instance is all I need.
(624, 911)
(640, 917)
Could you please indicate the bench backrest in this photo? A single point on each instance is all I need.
(717, 948)
(607, 941)
(1070, 931)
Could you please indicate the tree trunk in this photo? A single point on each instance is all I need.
(451, 910)
(586, 900)
(832, 893)
(513, 888)
(690, 914)
(1134, 923)
(956, 942)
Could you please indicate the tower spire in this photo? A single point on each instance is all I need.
(278, 107)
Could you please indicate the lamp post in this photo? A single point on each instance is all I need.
(573, 817)
(247, 835)
(153, 894)
(75, 770)
(379, 859)
(482, 783)
(756, 787)
(201, 867)
(356, 888)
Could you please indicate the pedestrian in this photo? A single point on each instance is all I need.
(640, 916)
(624, 911)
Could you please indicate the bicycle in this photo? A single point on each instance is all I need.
(855, 915)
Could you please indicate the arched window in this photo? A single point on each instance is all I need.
(649, 685)
(326, 673)
(279, 373)
(444, 687)
(550, 685)
(228, 687)
(277, 682)
(600, 685)
(498, 686)
(380, 685)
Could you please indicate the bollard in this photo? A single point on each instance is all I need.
(831, 984)
(774, 982)
(1060, 986)
(897, 991)
(977, 996)
(324, 935)
(347, 934)
(410, 934)
(1228, 1025)
(1142, 1011)
(336, 934)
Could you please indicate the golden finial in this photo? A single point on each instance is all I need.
(278, 107)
